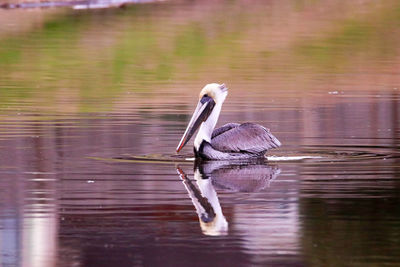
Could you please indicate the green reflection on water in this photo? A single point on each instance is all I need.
(372, 33)
(93, 57)
(9, 54)
(134, 54)
(333, 50)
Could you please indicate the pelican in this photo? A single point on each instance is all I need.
(231, 141)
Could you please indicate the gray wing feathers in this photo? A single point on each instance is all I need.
(246, 137)
(224, 128)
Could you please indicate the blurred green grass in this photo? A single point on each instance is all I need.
(95, 56)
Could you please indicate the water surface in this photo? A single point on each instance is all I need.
(93, 104)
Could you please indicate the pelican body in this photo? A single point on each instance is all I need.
(231, 141)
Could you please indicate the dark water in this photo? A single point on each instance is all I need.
(93, 104)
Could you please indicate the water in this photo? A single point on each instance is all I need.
(93, 104)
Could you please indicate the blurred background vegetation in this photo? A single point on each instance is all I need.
(65, 59)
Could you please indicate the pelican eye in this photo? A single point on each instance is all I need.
(205, 99)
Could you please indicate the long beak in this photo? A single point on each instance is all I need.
(203, 110)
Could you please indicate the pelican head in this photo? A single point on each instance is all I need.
(205, 116)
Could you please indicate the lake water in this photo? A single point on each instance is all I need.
(94, 102)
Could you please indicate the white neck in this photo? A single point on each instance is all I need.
(207, 127)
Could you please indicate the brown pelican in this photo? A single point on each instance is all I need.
(231, 141)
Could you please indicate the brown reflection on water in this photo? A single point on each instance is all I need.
(83, 93)
(54, 189)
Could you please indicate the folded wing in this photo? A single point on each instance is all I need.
(246, 137)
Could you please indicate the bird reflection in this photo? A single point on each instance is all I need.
(212, 175)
